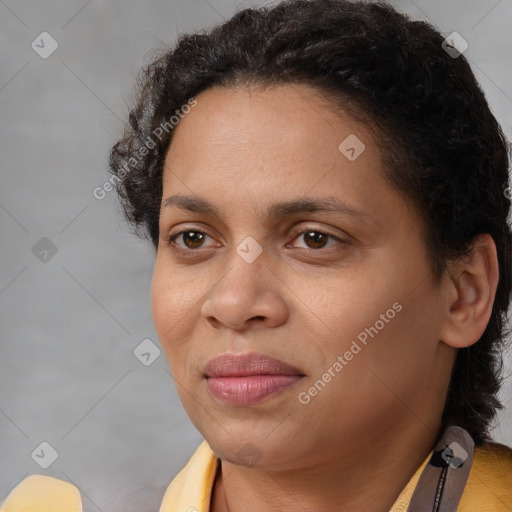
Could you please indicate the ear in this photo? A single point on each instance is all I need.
(470, 291)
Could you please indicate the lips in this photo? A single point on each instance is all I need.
(243, 365)
(246, 379)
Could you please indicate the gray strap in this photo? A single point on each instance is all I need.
(444, 478)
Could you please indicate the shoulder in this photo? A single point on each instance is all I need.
(188, 491)
(489, 486)
(192, 486)
(41, 493)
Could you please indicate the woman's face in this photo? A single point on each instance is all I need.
(343, 295)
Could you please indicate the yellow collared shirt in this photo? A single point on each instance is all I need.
(488, 489)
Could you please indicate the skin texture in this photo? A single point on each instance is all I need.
(357, 442)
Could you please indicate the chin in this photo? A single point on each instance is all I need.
(253, 450)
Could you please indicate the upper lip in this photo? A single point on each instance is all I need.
(243, 365)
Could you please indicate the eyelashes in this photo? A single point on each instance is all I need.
(202, 235)
(197, 237)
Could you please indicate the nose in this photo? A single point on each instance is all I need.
(247, 295)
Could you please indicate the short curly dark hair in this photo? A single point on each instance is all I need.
(442, 147)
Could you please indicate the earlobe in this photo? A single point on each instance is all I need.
(473, 284)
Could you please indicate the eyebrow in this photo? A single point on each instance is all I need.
(279, 210)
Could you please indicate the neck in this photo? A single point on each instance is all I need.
(368, 479)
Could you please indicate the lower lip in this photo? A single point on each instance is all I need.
(249, 390)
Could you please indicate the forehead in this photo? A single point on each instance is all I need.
(241, 147)
(288, 132)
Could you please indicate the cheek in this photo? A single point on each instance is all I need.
(346, 309)
(173, 304)
(399, 360)
(377, 325)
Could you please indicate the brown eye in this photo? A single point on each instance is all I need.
(191, 238)
(315, 239)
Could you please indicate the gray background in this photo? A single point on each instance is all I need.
(69, 325)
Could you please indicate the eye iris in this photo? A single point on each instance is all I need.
(195, 237)
(315, 239)
(318, 239)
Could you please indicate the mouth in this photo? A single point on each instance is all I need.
(247, 379)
